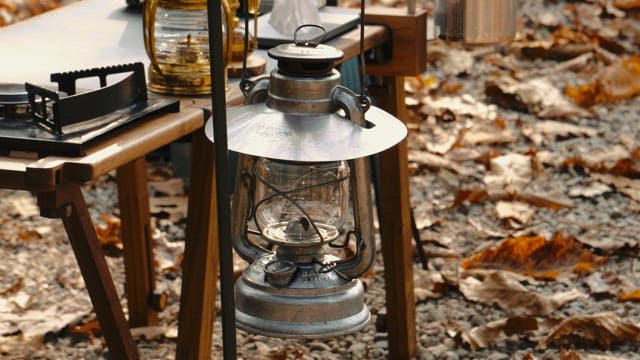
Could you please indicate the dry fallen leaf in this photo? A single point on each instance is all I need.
(551, 130)
(553, 200)
(14, 284)
(600, 159)
(427, 159)
(109, 234)
(505, 289)
(481, 337)
(550, 158)
(588, 15)
(611, 242)
(489, 334)
(89, 329)
(601, 330)
(483, 133)
(167, 254)
(538, 257)
(537, 96)
(457, 62)
(509, 173)
(629, 187)
(618, 81)
(478, 194)
(630, 296)
(420, 83)
(589, 190)
(25, 206)
(486, 228)
(515, 213)
(37, 322)
(627, 4)
(472, 195)
(437, 139)
(464, 105)
(608, 284)
(429, 284)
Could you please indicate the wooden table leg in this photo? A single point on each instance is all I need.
(200, 265)
(68, 204)
(395, 229)
(133, 199)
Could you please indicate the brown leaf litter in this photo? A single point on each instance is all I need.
(110, 233)
(537, 257)
(538, 96)
(601, 330)
(506, 290)
(616, 82)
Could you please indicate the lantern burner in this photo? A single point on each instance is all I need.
(293, 231)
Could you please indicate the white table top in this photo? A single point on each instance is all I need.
(104, 32)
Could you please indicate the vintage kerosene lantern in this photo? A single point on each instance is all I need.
(176, 38)
(303, 173)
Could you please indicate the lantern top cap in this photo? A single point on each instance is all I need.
(306, 47)
(301, 53)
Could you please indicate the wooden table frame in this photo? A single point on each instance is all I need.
(57, 181)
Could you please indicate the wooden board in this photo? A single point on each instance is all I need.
(406, 54)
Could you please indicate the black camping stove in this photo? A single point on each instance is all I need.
(42, 121)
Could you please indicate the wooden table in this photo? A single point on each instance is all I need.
(57, 182)
(43, 45)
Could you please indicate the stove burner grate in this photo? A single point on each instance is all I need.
(40, 120)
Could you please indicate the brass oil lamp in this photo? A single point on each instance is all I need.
(176, 41)
(302, 174)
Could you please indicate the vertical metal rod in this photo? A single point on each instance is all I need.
(218, 107)
(411, 7)
(363, 64)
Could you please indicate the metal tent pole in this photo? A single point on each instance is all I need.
(218, 102)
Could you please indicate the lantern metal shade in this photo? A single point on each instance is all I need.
(260, 131)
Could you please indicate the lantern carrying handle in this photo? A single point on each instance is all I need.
(309, 42)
